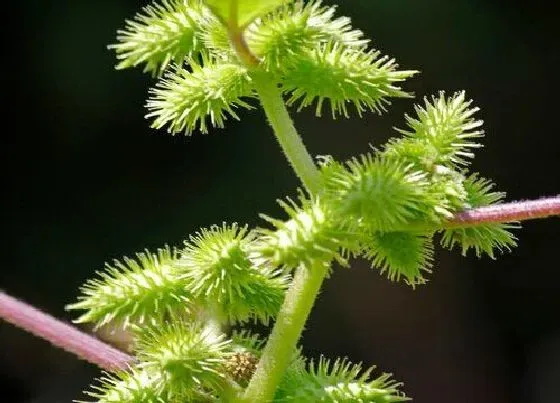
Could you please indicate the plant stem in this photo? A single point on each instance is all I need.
(281, 345)
(307, 281)
(285, 132)
(507, 212)
(239, 44)
(61, 334)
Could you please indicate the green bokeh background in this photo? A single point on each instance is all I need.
(88, 181)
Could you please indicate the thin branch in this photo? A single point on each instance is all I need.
(107, 357)
(507, 212)
(61, 334)
(241, 48)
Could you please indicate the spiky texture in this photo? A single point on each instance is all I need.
(190, 359)
(218, 269)
(247, 348)
(480, 192)
(132, 386)
(401, 254)
(244, 11)
(341, 76)
(337, 382)
(185, 99)
(383, 205)
(244, 340)
(482, 238)
(280, 36)
(313, 54)
(161, 34)
(443, 133)
(215, 37)
(382, 194)
(447, 186)
(307, 237)
(141, 290)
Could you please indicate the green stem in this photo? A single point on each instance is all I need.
(285, 132)
(279, 350)
(307, 281)
(230, 392)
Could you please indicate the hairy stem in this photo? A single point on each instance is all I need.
(279, 350)
(507, 212)
(61, 334)
(285, 132)
(239, 44)
(307, 281)
(97, 352)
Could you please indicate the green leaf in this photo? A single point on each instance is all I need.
(242, 12)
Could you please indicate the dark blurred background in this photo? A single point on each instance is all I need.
(88, 181)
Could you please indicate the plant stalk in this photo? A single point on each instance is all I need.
(281, 345)
(285, 132)
(507, 212)
(61, 334)
(107, 357)
(307, 281)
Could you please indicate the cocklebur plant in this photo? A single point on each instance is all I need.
(389, 206)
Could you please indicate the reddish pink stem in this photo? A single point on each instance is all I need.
(508, 212)
(95, 351)
(61, 334)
